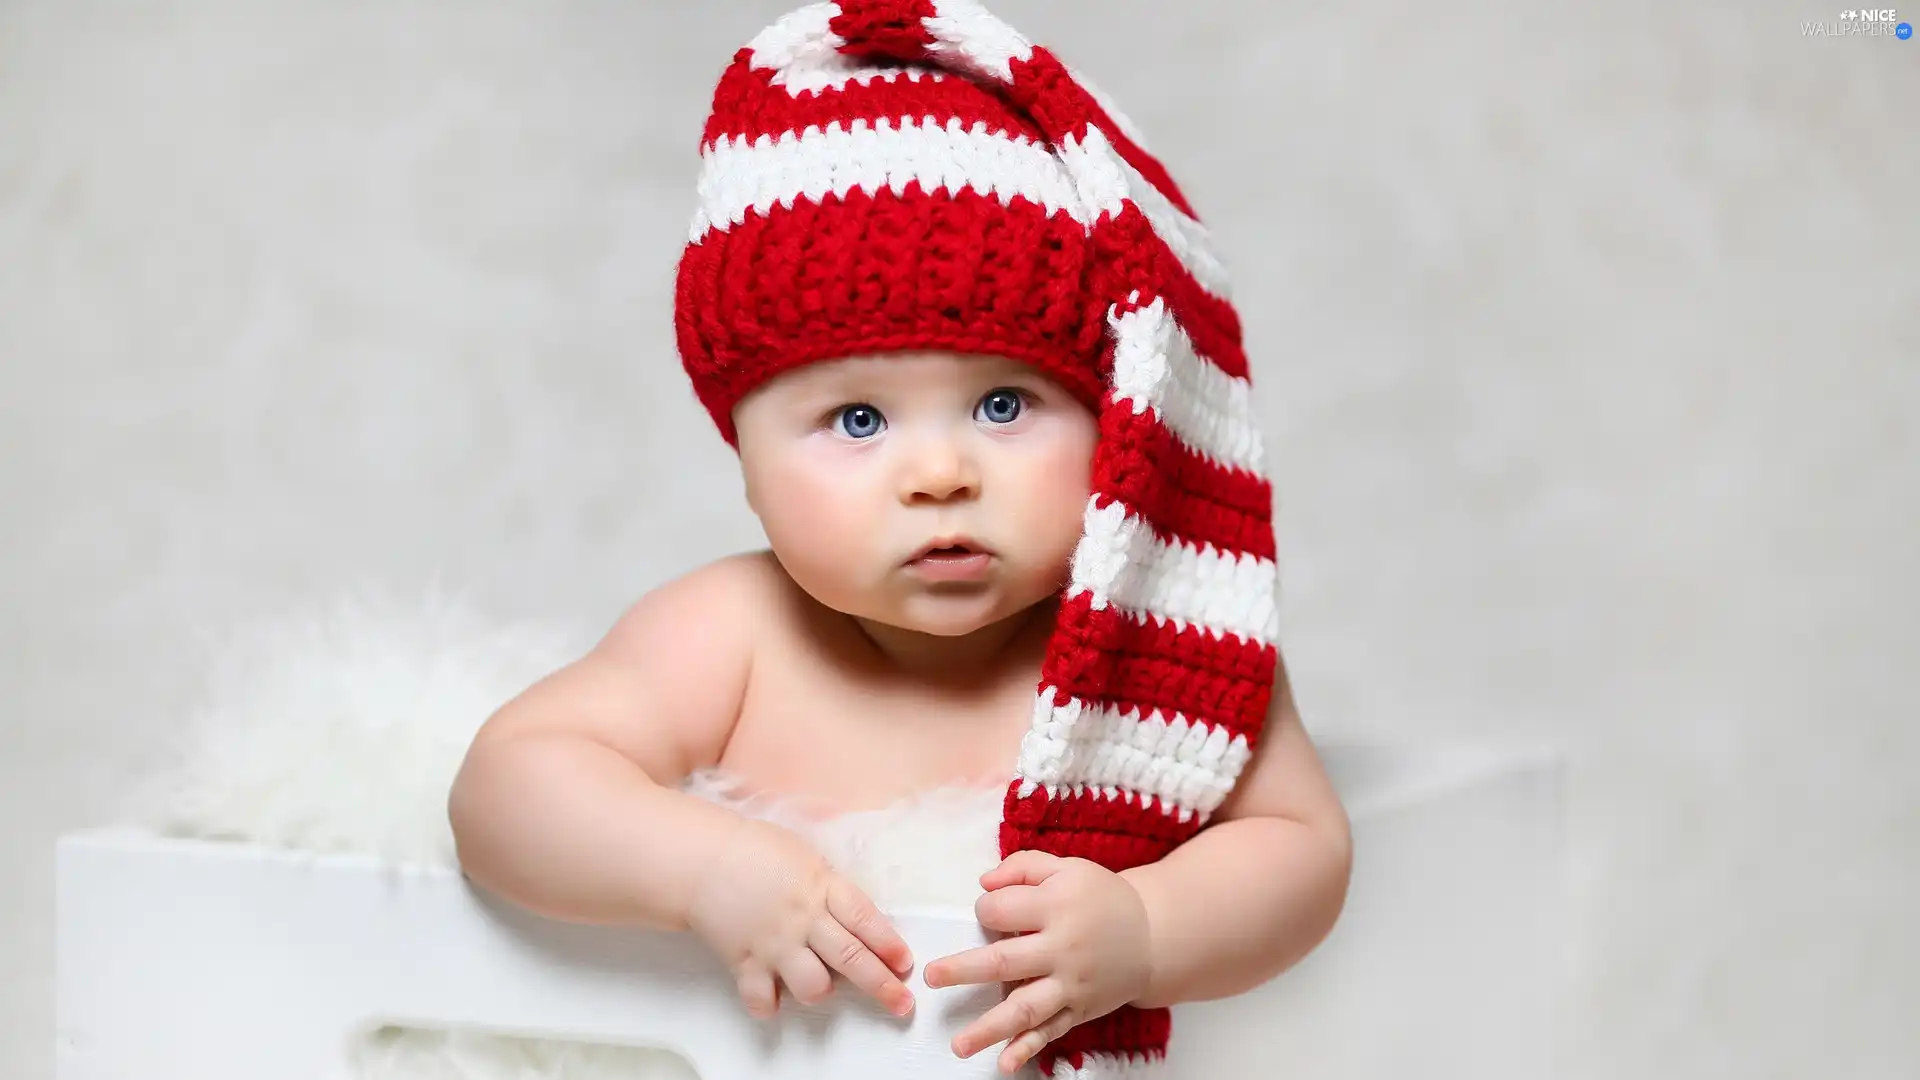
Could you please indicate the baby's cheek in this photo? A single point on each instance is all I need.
(1072, 468)
(812, 541)
(1057, 504)
(817, 515)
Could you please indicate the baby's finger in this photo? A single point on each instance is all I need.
(1021, 868)
(758, 994)
(1007, 960)
(1022, 1049)
(805, 977)
(851, 908)
(846, 954)
(1029, 1007)
(1016, 909)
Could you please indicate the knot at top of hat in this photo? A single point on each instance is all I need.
(885, 29)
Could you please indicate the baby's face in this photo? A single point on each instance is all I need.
(856, 466)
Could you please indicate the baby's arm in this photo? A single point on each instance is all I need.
(567, 802)
(1224, 912)
(1262, 886)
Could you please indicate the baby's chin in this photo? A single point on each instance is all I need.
(949, 612)
(956, 623)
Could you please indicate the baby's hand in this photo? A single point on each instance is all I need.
(1082, 952)
(771, 907)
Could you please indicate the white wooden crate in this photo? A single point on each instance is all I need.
(193, 960)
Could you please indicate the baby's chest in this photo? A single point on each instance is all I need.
(807, 733)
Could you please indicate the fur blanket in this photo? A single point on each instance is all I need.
(342, 731)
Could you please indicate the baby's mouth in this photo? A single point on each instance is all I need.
(950, 547)
(949, 561)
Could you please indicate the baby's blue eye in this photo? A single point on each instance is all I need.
(1000, 407)
(859, 421)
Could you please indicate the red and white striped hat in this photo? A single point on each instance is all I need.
(885, 175)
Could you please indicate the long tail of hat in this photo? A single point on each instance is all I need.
(1157, 679)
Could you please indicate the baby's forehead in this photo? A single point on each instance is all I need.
(918, 367)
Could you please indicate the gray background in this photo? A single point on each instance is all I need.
(1588, 339)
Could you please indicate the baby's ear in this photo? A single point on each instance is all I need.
(747, 486)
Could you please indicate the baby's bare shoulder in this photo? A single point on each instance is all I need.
(664, 686)
(711, 609)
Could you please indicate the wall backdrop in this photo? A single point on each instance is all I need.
(1588, 344)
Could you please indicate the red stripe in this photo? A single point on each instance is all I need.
(1209, 320)
(747, 105)
(1116, 832)
(1126, 1030)
(1043, 86)
(883, 272)
(1104, 656)
(1185, 497)
(1140, 261)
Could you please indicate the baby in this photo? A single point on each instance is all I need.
(992, 410)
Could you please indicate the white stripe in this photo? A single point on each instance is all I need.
(1106, 179)
(967, 37)
(841, 69)
(1155, 366)
(804, 51)
(738, 177)
(1113, 1067)
(1120, 561)
(1074, 747)
(803, 36)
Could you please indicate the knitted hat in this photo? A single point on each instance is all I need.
(886, 175)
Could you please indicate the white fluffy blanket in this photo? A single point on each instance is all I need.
(342, 730)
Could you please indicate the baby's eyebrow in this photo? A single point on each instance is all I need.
(877, 381)
(855, 387)
(842, 389)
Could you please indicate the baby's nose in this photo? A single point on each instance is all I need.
(941, 472)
